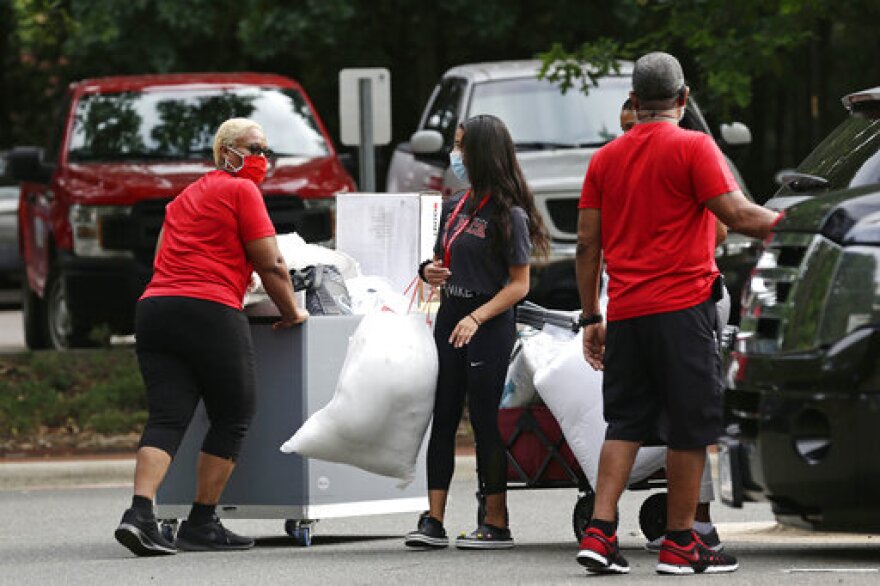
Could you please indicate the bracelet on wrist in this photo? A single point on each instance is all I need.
(476, 321)
(421, 271)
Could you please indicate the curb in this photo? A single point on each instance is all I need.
(114, 472)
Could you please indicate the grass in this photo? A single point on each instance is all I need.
(95, 391)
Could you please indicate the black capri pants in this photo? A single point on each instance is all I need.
(476, 373)
(190, 349)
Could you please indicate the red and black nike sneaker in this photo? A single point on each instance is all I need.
(694, 558)
(600, 553)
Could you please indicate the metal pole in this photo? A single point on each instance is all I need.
(367, 158)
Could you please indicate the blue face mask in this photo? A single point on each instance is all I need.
(458, 168)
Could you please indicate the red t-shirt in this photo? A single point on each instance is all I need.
(202, 253)
(657, 236)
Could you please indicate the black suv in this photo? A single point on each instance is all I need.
(803, 399)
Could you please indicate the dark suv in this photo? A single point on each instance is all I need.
(803, 398)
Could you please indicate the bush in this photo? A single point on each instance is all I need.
(93, 390)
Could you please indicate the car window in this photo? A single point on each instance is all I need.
(850, 155)
(173, 123)
(537, 113)
(443, 113)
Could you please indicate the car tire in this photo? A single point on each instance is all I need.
(63, 331)
(33, 316)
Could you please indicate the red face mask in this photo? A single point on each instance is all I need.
(253, 167)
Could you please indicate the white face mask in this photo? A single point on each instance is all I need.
(229, 166)
(457, 165)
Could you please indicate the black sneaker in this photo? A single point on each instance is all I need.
(485, 537)
(211, 536)
(142, 536)
(429, 533)
(694, 558)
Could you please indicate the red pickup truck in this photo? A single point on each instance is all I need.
(92, 203)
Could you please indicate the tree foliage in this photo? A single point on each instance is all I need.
(779, 65)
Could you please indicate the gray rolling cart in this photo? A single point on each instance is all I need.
(296, 371)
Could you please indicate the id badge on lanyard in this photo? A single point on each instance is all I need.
(450, 225)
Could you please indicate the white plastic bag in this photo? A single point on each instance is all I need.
(383, 401)
(371, 293)
(534, 349)
(573, 392)
(298, 254)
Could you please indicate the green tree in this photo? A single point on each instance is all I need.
(779, 64)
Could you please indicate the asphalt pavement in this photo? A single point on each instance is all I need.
(58, 520)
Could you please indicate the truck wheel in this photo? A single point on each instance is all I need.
(63, 331)
(33, 312)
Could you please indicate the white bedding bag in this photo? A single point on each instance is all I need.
(383, 402)
(573, 392)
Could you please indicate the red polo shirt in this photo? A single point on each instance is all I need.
(658, 238)
(206, 227)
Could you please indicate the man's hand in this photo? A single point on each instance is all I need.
(299, 317)
(436, 274)
(594, 345)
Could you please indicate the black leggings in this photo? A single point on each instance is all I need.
(190, 349)
(476, 371)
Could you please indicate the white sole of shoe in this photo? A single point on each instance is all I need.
(424, 541)
(138, 543)
(598, 564)
(686, 570)
(484, 544)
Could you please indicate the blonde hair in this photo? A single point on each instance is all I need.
(229, 132)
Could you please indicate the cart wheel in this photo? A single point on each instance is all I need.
(583, 512)
(300, 530)
(481, 508)
(652, 516)
(168, 529)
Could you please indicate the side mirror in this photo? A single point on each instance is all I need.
(25, 164)
(425, 142)
(349, 163)
(736, 134)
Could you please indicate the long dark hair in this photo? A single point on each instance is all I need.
(490, 159)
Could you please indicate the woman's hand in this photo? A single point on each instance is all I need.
(464, 331)
(436, 274)
(594, 345)
(298, 317)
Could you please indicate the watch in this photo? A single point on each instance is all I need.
(588, 320)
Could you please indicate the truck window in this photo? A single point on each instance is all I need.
(539, 115)
(443, 115)
(179, 123)
(59, 128)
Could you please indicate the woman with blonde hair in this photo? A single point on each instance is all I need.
(194, 342)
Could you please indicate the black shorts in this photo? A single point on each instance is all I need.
(662, 380)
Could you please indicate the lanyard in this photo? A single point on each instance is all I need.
(450, 225)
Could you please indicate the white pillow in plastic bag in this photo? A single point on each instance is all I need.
(573, 392)
(383, 401)
(533, 350)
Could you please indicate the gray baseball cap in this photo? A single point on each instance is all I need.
(657, 76)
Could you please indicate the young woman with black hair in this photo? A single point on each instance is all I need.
(481, 263)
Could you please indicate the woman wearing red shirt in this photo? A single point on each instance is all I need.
(193, 340)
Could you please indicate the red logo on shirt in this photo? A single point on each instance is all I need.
(477, 228)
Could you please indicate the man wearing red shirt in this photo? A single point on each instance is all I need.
(649, 205)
